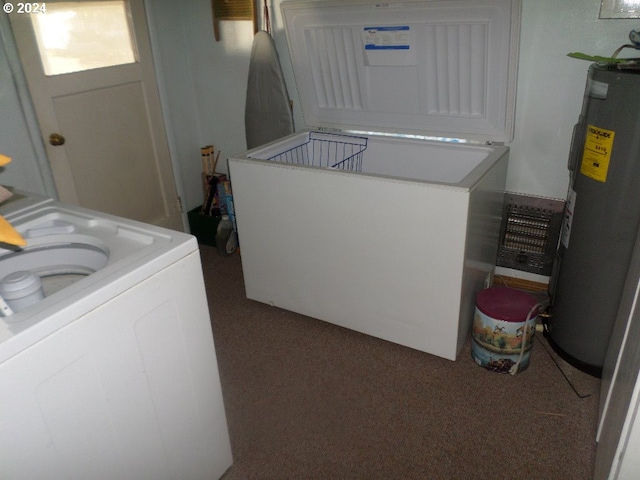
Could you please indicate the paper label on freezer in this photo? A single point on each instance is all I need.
(387, 38)
(391, 46)
(597, 153)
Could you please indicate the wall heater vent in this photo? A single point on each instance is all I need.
(530, 233)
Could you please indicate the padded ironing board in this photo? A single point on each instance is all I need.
(267, 112)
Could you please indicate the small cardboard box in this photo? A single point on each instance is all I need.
(203, 226)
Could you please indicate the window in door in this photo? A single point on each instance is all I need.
(77, 36)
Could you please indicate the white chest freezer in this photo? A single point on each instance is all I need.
(385, 219)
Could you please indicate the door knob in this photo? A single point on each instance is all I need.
(56, 139)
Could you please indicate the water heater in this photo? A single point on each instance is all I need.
(602, 217)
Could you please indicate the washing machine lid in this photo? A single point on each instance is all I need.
(114, 253)
(418, 67)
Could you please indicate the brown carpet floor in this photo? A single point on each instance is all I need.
(309, 400)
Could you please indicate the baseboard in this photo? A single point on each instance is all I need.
(520, 283)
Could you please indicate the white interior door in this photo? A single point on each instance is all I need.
(90, 73)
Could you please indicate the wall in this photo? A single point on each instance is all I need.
(203, 82)
(203, 85)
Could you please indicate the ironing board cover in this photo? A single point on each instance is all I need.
(268, 114)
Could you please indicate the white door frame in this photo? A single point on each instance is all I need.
(28, 110)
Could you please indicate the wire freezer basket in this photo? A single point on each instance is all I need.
(328, 150)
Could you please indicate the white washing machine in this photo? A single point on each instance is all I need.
(113, 374)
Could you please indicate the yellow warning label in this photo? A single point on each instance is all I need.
(597, 153)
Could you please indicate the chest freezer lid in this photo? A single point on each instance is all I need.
(418, 67)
